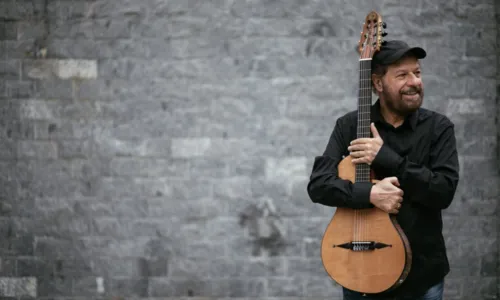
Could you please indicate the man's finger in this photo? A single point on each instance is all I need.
(362, 160)
(358, 154)
(357, 161)
(374, 130)
(394, 180)
(361, 141)
(356, 147)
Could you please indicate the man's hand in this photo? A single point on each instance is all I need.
(364, 150)
(386, 195)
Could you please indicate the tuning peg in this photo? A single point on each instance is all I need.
(384, 25)
(384, 33)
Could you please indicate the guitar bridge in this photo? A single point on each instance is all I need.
(362, 246)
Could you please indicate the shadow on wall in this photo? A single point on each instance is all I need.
(265, 228)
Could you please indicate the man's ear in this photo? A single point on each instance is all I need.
(377, 82)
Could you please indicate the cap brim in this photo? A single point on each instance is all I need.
(418, 52)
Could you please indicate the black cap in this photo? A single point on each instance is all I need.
(391, 51)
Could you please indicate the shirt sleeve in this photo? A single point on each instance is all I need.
(326, 187)
(433, 186)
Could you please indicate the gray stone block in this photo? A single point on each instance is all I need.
(53, 89)
(133, 187)
(50, 286)
(482, 88)
(10, 69)
(484, 288)
(3, 87)
(483, 225)
(20, 89)
(194, 48)
(8, 30)
(18, 287)
(454, 288)
(19, 10)
(277, 66)
(92, 28)
(292, 286)
(77, 48)
(37, 149)
(8, 268)
(273, 27)
(124, 287)
(14, 49)
(31, 30)
(74, 149)
(62, 69)
(8, 149)
(214, 8)
(147, 167)
(284, 9)
(322, 286)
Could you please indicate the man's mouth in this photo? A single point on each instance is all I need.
(411, 93)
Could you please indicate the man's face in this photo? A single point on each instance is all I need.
(401, 88)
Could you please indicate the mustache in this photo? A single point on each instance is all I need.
(412, 90)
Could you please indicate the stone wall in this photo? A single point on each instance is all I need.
(497, 9)
(162, 148)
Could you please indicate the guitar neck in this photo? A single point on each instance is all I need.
(364, 112)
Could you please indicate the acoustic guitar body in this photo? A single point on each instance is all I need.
(364, 250)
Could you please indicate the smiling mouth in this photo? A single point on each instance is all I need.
(410, 93)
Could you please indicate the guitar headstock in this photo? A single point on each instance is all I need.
(372, 35)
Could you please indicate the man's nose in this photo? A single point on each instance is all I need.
(414, 80)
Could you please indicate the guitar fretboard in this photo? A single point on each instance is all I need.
(364, 109)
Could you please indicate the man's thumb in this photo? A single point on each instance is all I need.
(394, 180)
(374, 130)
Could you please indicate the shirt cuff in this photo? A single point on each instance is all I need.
(388, 159)
(361, 194)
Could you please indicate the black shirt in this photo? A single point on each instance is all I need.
(422, 154)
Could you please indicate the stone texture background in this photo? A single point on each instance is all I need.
(161, 148)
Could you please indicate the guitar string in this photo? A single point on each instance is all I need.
(363, 171)
(364, 115)
(367, 114)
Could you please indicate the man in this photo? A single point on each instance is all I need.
(414, 151)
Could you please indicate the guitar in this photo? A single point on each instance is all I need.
(365, 250)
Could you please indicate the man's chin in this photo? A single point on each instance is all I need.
(409, 108)
(413, 108)
(413, 103)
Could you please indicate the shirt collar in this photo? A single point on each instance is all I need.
(376, 116)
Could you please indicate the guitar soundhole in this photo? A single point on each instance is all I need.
(362, 246)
